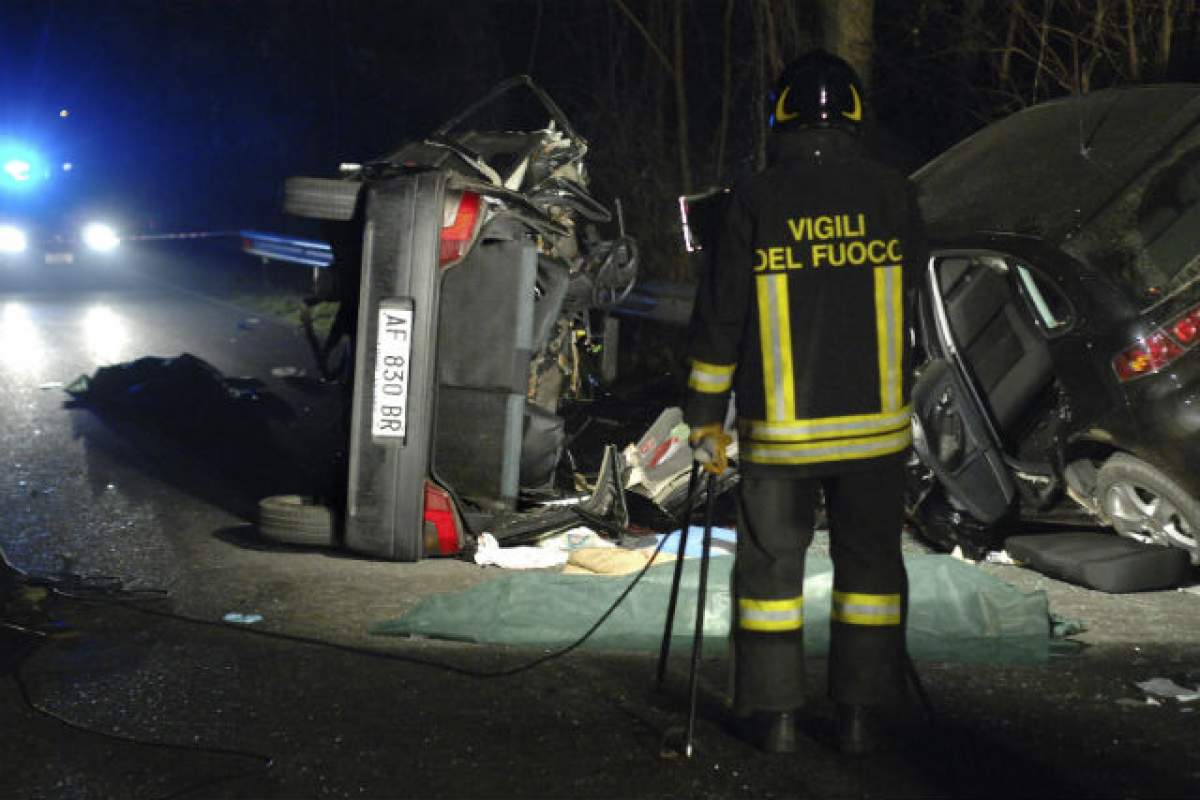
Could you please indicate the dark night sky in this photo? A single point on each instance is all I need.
(198, 110)
(192, 112)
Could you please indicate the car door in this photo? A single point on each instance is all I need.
(953, 433)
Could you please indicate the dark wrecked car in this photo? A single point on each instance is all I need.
(1057, 322)
(472, 278)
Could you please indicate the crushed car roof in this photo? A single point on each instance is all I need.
(1050, 169)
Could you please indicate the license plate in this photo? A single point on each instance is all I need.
(393, 342)
(59, 258)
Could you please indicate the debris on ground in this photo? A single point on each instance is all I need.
(577, 538)
(724, 542)
(956, 613)
(162, 388)
(612, 560)
(1129, 702)
(489, 553)
(958, 555)
(1169, 690)
(1062, 627)
(659, 463)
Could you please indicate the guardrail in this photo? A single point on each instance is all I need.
(661, 301)
(309, 252)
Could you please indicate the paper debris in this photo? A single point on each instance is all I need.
(1167, 688)
(489, 553)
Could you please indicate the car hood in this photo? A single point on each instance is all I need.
(1051, 169)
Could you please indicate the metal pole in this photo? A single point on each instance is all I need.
(698, 639)
(665, 650)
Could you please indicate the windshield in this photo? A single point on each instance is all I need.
(1110, 177)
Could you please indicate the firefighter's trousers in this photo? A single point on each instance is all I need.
(865, 510)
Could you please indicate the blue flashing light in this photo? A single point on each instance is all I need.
(21, 167)
(18, 169)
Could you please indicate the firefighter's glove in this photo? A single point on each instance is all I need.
(709, 443)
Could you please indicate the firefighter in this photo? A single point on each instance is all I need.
(802, 320)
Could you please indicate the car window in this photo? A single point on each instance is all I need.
(1149, 238)
(1050, 305)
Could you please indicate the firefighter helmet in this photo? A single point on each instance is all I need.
(817, 90)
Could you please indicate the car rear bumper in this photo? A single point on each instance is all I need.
(387, 474)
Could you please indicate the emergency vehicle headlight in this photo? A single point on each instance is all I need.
(12, 239)
(100, 237)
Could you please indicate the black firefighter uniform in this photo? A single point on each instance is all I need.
(802, 315)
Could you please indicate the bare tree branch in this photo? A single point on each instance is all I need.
(681, 106)
(637, 23)
(726, 87)
(1165, 32)
(1131, 39)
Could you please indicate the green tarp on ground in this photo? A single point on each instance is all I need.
(957, 612)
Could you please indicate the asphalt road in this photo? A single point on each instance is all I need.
(157, 697)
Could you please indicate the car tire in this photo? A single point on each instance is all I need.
(1142, 503)
(321, 198)
(292, 519)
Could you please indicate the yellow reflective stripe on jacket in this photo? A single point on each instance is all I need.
(825, 428)
(711, 378)
(829, 450)
(889, 332)
(866, 609)
(771, 615)
(775, 333)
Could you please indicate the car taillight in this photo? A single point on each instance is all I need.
(458, 226)
(1160, 348)
(443, 533)
(1186, 329)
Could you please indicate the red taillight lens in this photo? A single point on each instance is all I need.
(1186, 329)
(443, 534)
(1151, 355)
(458, 226)
(1160, 348)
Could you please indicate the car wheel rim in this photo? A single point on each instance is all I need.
(1141, 514)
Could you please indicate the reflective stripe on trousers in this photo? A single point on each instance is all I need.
(771, 615)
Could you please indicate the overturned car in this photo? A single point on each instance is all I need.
(472, 279)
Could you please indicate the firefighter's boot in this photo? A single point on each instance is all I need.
(857, 729)
(772, 732)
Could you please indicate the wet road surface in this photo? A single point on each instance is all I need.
(158, 698)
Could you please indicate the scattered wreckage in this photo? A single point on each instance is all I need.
(1056, 329)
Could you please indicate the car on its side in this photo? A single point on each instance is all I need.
(472, 276)
(1058, 321)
